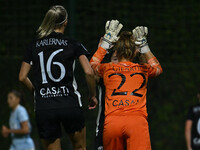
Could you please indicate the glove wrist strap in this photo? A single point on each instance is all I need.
(145, 48)
(106, 44)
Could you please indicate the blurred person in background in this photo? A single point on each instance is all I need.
(126, 86)
(20, 127)
(57, 100)
(192, 126)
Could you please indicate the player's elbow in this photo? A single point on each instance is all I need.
(159, 71)
(26, 130)
(22, 78)
(187, 132)
(188, 126)
(89, 72)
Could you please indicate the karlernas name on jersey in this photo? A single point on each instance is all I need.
(51, 41)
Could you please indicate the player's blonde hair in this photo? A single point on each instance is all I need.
(125, 46)
(54, 18)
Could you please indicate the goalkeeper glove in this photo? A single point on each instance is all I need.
(112, 29)
(139, 34)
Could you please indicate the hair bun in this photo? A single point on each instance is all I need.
(126, 34)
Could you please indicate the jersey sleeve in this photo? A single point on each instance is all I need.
(28, 58)
(190, 114)
(23, 115)
(96, 61)
(154, 67)
(80, 50)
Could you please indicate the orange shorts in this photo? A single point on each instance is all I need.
(130, 132)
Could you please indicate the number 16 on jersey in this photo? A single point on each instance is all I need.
(48, 67)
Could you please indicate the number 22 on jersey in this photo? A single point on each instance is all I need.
(114, 93)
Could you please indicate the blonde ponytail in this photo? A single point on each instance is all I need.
(54, 18)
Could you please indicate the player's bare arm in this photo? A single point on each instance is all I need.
(23, 76)
(24, 129)
(188, 127)
(112, 29)
(90, 79)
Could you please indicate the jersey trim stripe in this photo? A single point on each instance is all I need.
(34, 101)
(75, 87)
(100, 110)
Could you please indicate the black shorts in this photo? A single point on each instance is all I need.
(49, 122)
(195, 148)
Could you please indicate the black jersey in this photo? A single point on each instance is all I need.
(100, 117)
(194, 115)
(53, 59)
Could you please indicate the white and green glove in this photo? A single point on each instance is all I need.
(140, 36)
(112, 29)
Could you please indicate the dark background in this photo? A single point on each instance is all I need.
(173, 38)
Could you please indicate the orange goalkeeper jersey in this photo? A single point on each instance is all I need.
(125, 83)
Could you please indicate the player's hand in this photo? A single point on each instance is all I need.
(140, 36)
(5, 131)
(92, 102)
(112, 29)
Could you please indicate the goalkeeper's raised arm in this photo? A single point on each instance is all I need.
(140, 36)
(112, 29)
